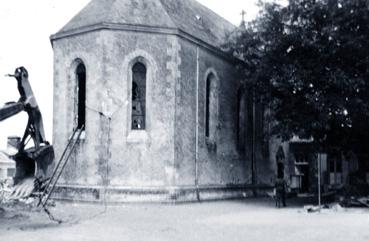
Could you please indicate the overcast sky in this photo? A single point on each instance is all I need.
(25, 27)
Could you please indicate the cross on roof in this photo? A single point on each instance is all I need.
(243, 13)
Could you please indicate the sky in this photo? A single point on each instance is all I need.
(25, 28)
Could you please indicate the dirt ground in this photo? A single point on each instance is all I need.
(249, 219)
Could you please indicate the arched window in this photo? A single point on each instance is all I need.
(81, 95)
(211, 106)
(138, 96)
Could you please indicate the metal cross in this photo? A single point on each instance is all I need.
(243, 13)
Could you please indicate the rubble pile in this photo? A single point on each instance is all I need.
(356, 195)
(21, 193)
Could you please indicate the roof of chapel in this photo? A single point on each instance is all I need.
(187, 17)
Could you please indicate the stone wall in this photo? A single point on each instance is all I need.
(218, 160)
(84, 164)
(163, 159)
(141, 158)
(110, 150)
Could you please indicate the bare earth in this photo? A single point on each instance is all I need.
(250, 219)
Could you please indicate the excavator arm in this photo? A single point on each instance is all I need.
(31, 163)
(10, 109)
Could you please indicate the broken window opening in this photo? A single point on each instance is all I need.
(81, 93)
(138, 96)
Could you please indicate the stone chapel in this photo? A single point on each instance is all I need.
(159, 102)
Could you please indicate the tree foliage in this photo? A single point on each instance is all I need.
(308, 61)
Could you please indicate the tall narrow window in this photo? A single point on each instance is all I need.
(211, 106)
(138, 96)
(81, 93)
(207, 103)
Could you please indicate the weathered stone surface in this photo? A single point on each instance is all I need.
(172, 154)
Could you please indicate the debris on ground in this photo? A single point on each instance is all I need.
(333, 207)
(20, 196)
(355, 195)
(314, 209)
(311, 208)
(355, 201)
(23, 189)
(17, 193)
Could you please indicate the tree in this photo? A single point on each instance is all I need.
(308, 62)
